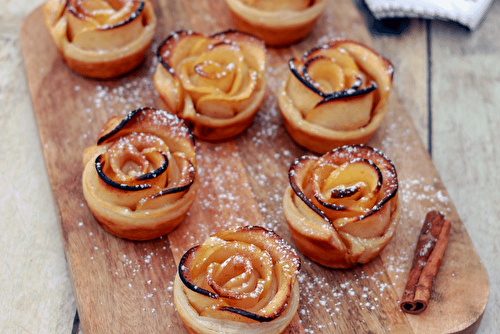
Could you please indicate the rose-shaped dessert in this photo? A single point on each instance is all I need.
(241, 280)
(342, 208)
(216, 84)
(336, 95)
(140, 178)
(277, 22)
(101, 38)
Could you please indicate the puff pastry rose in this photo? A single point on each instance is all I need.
(277, 22)
(140, 179)
(336, 95)
(241, 280)
(216, 83)
(342, 208)
(101, 38)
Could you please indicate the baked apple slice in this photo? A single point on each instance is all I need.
(215, 83)
(336, 95)
(140, 179)
(101, 38)
(342, 208)
(277, 22)
(239, 280)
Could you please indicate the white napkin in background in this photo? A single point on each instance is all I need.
(467, 12)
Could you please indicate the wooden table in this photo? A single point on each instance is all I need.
(446, 76)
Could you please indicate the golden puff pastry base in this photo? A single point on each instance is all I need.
(196, 324)
(318, 137)
(157, 211)
(136, 225)
(100, 62)
(209, 128)
(314, 237)
(277, 28)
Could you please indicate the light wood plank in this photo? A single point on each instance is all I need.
(35, 289)
(466, 118)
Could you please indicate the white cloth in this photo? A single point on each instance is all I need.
(467, 12)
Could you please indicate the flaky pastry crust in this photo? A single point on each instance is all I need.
(342, 208)
(278, 22)
(215, 83)
(336, 95)
(140, 180)
(241, 280)
(101, 38)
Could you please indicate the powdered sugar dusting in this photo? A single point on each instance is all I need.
(242, 182)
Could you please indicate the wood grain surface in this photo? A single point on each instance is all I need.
(122, 286)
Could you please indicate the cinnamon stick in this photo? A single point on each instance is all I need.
(429, 253)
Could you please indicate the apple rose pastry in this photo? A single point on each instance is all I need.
(241, 280)
(336, 95)
(140, 180)
(216, 83)
(101, 38)
(342, 208)
(277, 22)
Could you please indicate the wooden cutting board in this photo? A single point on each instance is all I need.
(122, 286)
